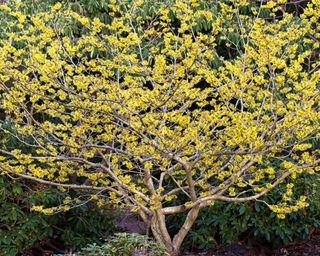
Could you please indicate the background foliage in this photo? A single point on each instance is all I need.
(22, 230)
(252, 222)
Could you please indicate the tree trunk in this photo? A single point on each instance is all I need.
(190, 219)
(160, 231)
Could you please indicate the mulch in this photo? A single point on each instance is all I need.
(309, 247)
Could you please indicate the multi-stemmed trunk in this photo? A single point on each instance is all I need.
(159, 230)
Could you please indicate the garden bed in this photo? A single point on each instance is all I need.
(308, 247)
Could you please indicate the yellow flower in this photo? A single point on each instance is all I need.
(56, 7)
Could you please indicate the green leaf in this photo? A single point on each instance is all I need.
(242, 210)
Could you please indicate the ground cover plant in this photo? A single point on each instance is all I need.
(124, 244)
(148, 111)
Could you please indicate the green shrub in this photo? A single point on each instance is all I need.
(21, 229)
(126, 245)
(224, 222)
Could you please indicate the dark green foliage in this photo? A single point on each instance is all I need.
(20, 229)
(88, 8)
(253, 221)
(86, 224)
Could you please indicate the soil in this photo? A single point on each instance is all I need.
(309, 247)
